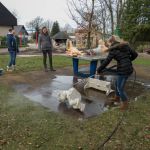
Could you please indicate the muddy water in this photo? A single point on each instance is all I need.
(46, 94)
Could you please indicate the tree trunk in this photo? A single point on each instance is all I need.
(110, 8)
(112, 22)
(90, 27)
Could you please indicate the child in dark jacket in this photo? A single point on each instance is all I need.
(12, 49)
(124, 56)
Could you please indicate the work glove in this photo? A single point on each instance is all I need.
(99, 73)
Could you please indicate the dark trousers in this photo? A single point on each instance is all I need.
(119, 85)
(12, 58)
(47, 53)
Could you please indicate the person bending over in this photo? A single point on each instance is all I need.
(124, 55)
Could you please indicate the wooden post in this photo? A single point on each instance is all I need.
(20, 39)
(36, 39)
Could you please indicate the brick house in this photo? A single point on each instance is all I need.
(7, 20)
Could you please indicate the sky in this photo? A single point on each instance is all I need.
(48, 9)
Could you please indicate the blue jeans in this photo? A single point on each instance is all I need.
(119, 87)
(12, 58)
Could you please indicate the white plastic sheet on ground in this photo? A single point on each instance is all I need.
(73, 98)
(99, 85)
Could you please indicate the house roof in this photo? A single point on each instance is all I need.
(20, 29)
(6, 17)
(61, 36)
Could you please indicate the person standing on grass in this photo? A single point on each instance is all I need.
(45, 45)
(12, 49)
(124, 56)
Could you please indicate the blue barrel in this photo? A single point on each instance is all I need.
(75, 65)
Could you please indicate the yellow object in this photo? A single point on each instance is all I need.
(69, 45)
(72, 51)
(101, 42)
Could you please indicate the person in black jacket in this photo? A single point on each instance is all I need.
(124, 56)
(12, 49)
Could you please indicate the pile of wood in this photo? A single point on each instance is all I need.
(72, 51)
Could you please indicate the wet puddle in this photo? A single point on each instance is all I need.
(46, 94)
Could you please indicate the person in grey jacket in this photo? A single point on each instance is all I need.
(45, 45)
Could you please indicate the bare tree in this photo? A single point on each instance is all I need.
(120, 5)
(109, 4)
(68, 28)
(48, 24)
(103, 17)
(35, 24)
(90, 25)
(111, 13)
(82, 12)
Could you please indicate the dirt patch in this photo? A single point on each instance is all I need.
(42, 87)
(34, 78)
(142, 73)
(46, 93)
(144, 55)
(39, 53)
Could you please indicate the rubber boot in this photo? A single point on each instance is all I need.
(115, 99)
(51, 69)
(45, 68)
(124, 106)
(50, 63)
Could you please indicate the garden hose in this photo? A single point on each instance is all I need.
(101, 146)
(134, 78)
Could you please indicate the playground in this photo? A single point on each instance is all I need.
(75, 75)
(32, 117)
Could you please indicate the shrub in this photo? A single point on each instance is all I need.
(141, 48)
(3, 42)
(3, 38)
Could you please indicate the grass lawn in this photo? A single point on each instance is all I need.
(142, 61)
(25, 125)
(36, 63)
